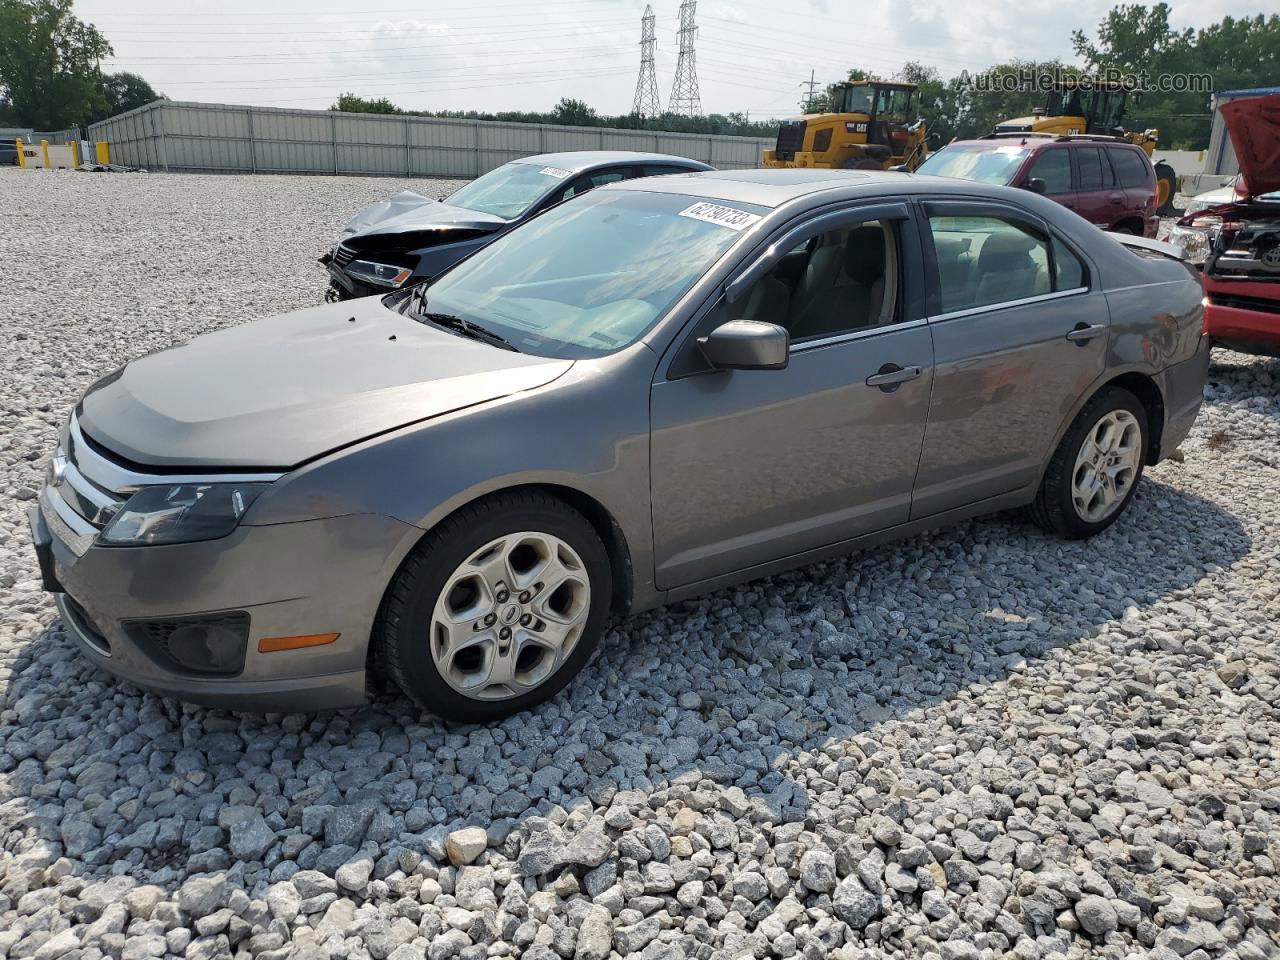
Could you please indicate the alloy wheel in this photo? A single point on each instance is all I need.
(510, 615)
(1107, 465)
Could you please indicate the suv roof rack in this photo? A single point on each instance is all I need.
(1056, 137)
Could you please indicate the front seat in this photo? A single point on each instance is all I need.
(1007, 270)
(852, 293)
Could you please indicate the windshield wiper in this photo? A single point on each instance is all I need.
(468, 329)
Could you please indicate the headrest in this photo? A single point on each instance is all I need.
(1006, 251)
(864, 255)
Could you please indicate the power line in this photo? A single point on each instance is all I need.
(646, 100)
(685, 99)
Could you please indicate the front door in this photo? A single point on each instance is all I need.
(1019, 334)
(750, 466)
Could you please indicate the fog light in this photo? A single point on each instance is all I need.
(209, 646)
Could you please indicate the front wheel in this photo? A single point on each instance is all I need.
(1096, 468)
(497, 608)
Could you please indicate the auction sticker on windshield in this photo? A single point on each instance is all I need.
(555, 172)
(723, 216)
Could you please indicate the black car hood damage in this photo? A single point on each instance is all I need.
(408, 212)
(277, 392)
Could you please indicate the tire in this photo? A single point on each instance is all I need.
(1055, 508)
(1166, 190)
(507, 661)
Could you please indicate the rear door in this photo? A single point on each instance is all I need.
(1019, 334)
(1136, 178)
(1098, 197)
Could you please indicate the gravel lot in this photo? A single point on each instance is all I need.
(983, 742)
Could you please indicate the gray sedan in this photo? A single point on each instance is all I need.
(651, 391)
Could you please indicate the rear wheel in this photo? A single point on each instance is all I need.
(1166, 190)
(1096, 468)
(497, 608)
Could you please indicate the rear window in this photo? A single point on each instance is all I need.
(1131, 168)
(1095, 172)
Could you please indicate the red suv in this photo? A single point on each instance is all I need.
(1109, 182)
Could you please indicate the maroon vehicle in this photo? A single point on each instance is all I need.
(1242, 267)
(1107, 181)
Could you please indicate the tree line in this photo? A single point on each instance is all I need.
(50, 69)
(51, 78)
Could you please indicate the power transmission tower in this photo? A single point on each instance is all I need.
(646, 103)
(685, 99)
(812, 84)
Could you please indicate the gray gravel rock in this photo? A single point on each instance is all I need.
(980, 742)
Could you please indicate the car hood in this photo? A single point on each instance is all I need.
(1254, 126)
(275, 393)
(408, 212)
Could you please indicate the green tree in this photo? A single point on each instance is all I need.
(350, 103)
(49, 76)
(574, 113)
(122, 92)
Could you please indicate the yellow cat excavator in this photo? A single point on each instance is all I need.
(1097, 110)
(868, 128)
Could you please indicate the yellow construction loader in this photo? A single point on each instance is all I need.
(869, 128)
(1097, 110)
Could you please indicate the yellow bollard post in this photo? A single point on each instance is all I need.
(75, 155)
(103, 149)
(22, 158)
(44, 150)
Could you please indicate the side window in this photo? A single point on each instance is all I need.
(834, 283)
(1068, 272)
(658, 171)
(1131, 169)
(589, 181)
(1054, 168)
(988, 260)
(1095, 172)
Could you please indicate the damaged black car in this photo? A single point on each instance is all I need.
(411, 238)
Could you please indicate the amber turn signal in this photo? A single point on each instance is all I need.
(274, 644)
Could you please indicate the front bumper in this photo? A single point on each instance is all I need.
(1243, 314)
(294, 579)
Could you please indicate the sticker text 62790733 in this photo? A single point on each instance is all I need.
(720, 215)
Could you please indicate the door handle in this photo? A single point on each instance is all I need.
(892, 375)
(1085, 331)
(1068, 204)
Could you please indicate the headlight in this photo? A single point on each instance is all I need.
(1194, 243)
(180, 513)
(383, 274)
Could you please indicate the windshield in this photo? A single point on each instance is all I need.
(592, 275)
(986, 164)
(508, 191)
(857, 99)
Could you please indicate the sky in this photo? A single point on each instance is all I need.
(753, 56)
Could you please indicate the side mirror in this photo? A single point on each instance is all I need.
(1035, 185)
(747, 345)
(934, 139)
(899, 168)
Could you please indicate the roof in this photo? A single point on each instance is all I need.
(774, 187)
(578, 160)
(1254, 92)
(765, 188)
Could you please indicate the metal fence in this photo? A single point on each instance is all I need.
(214, 137)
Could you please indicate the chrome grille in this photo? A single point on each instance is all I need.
(342, 255)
